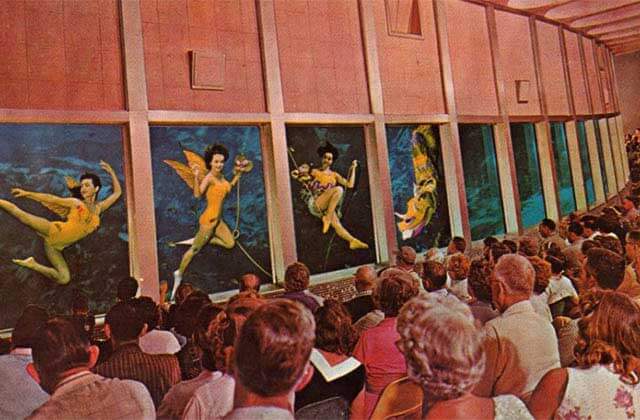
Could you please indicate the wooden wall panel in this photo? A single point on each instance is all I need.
(578, 87)
(555, 89)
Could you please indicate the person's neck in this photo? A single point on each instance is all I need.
(244, 398)
(69, 373)
(511, 300)
(118, 343)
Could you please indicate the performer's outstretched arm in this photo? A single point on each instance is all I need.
(117, 189)
(44, 197)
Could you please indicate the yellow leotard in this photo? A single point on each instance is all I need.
(323, 181)
(80, 223)
(216, 193)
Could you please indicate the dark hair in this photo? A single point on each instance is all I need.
(328, 148)
(478, 279)
(95, 179)
(127, 288)
(26, 329)
(548, 223)
(490, 240)
(296, 277)
(395, 287)
(273, 347)
(215, 149)
(334, 330)
(187, 312)
(606, 266)
(634, 199)
(587, 245)
(576, 228)
(59, 347)
(79, 302)
(607, 223)
(557, 265)
(124, 322)
(498, 250)
(633, 236)
(513, 246)
(435, 274)
(203, 336)
(589, 222)
(610, 243)
(147, 310)
(459, 243)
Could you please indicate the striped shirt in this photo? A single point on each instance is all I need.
(158, 372)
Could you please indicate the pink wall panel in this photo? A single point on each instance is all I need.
(471, 59)
(60, 55)
(592, 72)
(321, 56)
(628, 78)
(578, 85)
(516, 55)
(174, 28)
(407, 65)
(555, 88)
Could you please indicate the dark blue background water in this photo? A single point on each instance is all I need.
(36, 158)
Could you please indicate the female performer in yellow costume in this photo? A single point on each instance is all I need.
(215, 188)
(326, 188)
(81, 213)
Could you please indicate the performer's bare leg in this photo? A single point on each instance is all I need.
(328, 202)
(39, 224)
(354, 243)
(223, 236)
(60, 270)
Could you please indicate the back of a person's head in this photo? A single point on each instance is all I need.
(203, 334)
(183, 291)
(442, 347)
(59, 347)
(296, 277)
(633, 237)
(549, 224)
(435, 274)
(589, 222)
(27, 328)
(334, 330)
(187, 312)
(79, 303)
(610, 243)
(395, 287)
(459, 244)
(127, 289)
(479, 279)
(249, 282)
(528, 246)
(516, 273)
(489, 240)
(543, 274)
(607, 223)
(458, 266)
(124, 322)
(606, 267)
(498, 250)
(587, 245)
(273, 348)
(147, 310)
(557, 264)
(365, 278)
(512, 245)
(576, 228)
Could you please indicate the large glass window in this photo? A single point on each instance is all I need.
(417, 186)
(525, 150)
(482, 185)
(603, 170)
(563, 168)
(585, 162)
(60, 248)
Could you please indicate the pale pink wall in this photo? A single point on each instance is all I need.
(516, 56)
(173, 28)
(606, 57)
(321, 56)
(579, 89)
(471, 59)
(627, 68)
(408, 65)
(60, 55)
(592, 72)
(555, 88)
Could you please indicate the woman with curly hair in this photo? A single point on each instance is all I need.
(445, 355)
(480, 290)
(604, 384)
(336, 373)
(376, 349)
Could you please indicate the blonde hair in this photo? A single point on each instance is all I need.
(441, 344)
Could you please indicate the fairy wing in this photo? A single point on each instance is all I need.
(184, 171)
(56, 208)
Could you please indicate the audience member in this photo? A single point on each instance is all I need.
(528, 246)
(498, 250)
(296, 286)
(406, 261)
(445, 355)
(175, 401)
(488, 242)
(604, 384)
(154, 340)
(127, 289)
(364, 282)
(589, 226)
(562, 294)
(520, 345)
(19, 394)
(376, 349)
(62, 359)
(272, 360)
(574, 235)
(549, 235)
(540, 296)
(457, 245)
(512, 245)
(480, 291)
(158, 372)
(457, 271)
(249, 282)
(631, 282)
(434, 277)
(190, 355)
(336, 374)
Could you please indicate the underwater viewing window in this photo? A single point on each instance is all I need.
(563, 168)
(482, 184)
(586, 166)
(603, 171)
(525, 151)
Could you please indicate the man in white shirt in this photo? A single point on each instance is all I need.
(153, 340)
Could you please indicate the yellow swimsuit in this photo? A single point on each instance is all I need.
(216, 193)
(80, 223)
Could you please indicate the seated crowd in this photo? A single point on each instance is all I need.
(546, 325)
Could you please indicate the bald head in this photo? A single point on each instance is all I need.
(516, 273)
(365, 278)
(249, 282)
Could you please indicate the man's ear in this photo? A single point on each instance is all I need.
(94, 353)
(107, 331)
(307, 374)
(31, 370)
(144, 330)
